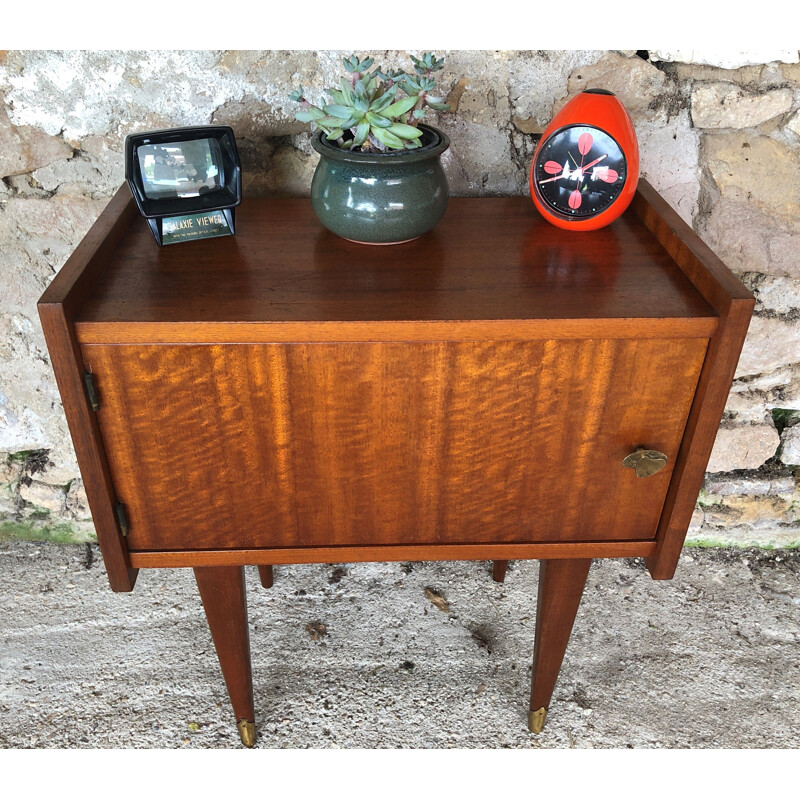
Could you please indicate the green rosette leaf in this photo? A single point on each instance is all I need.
(400, 107)
(383, 101)
(306, 115)
(405, 131)
(340, 112)
(362, 131)
(377, 120)
(389, 139)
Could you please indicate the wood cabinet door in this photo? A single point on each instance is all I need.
(257, 445)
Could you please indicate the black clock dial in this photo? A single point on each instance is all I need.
(580, 171)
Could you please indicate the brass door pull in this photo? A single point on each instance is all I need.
(645, 462)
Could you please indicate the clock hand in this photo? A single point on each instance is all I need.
(592, 163)
(557, 178)
(569, 176)
(579, 173)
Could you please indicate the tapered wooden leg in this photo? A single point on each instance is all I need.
(224, 597)
(561, 583)
(499, 570)
(265, 573)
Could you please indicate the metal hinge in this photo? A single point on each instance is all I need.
(91, 391)
(122, 519)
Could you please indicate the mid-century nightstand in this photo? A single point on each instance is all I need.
(497, 389)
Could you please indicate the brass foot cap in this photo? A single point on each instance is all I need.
(536, 720)
(247, 732)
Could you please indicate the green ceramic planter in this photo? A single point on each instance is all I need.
(380, 198)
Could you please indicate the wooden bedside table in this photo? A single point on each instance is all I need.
(285, 396)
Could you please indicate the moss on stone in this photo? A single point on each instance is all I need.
(783, 417)
(32, 461)
(710, 543)
(705, 499)
(30, 531)
(730, 543)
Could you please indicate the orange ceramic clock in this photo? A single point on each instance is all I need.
(586, 165)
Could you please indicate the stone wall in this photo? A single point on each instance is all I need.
(719, 135)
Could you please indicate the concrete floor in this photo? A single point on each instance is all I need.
(358, 656)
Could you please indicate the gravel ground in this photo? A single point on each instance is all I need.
(356, 655)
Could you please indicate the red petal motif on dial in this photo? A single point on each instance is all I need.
(553, 167)
(575, 198)
(585, 143)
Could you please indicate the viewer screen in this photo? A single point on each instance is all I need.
(180, 169)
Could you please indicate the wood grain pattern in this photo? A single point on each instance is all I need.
(354, 444)
(734, 304)
(404, 552)
(393, 331)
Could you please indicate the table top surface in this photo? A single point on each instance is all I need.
(488, 259)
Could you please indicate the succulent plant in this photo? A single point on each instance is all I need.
(376, 111)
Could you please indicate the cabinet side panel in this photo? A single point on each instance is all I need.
(698, 442)
(301, 445)
(89, 450)
(734, 304)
